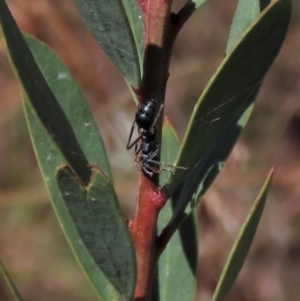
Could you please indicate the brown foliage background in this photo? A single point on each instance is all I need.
(31, 243)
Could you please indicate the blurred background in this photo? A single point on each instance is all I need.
(32, 245)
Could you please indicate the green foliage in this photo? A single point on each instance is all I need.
(12, 288)
(221, 110)
(74, 163)
(97, 218)
(50, 154)
(245, 13)
(40, 96)
(49, 158)
(197, 2)
(178, 263)
(242, 244)
(118, 28)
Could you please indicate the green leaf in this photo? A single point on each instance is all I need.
(178, 263)
(196, 2)
(49, 156)
(73, 104)
(42, 99)
(242, 245)
(230, 93)
(207, 170)
(117, 26)
(48, 153)
(246, 12)
(169, 149)
(96, 215)
(11, 286)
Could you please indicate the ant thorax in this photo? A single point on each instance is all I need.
(147, 132)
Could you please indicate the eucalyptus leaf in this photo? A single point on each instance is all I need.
(232, 89)
(264, 4)
(196, 2)
(213, 161)
(178, 262)
(246, 12)
(96, 215)
(169, 149)
(49, 158)
(242, 245)
(49, 155)
(42, 99)
(117, 26)
(10, 284)
(73, 103)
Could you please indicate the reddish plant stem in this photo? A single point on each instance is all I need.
(143, 231)
(160, 33)
(156, 19)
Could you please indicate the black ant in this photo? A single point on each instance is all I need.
(146, 118)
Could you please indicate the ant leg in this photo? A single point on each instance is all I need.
(136, 148)
(165, 165)
(129, 144)
(144, 162)
(130, 136)
(158, 114)
(153, 155)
